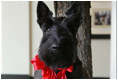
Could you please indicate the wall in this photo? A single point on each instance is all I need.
(100, 47)
(15, 38)
(101, 57)
(113, 56)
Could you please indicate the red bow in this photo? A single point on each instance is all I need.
(61, 74)
(47, 72)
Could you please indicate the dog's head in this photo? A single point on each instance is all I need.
(58, 45)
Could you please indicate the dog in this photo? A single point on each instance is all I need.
(58, 48)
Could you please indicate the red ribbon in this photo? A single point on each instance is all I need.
(47, 72)
(61, 74)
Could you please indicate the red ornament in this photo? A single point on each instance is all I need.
(47, 72)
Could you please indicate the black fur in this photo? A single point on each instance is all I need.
(60, 32)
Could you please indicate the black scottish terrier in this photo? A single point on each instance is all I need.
(58, 48)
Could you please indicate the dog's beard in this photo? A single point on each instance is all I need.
(57, 59)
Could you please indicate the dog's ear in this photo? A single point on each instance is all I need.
(73, 17)
(44, 15)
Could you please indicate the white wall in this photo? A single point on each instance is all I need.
(113, 68)
(100, 48)
(101, 57)
(15, 37)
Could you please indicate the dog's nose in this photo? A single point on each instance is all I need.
(55, 47)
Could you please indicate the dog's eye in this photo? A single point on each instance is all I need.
(48, 30)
